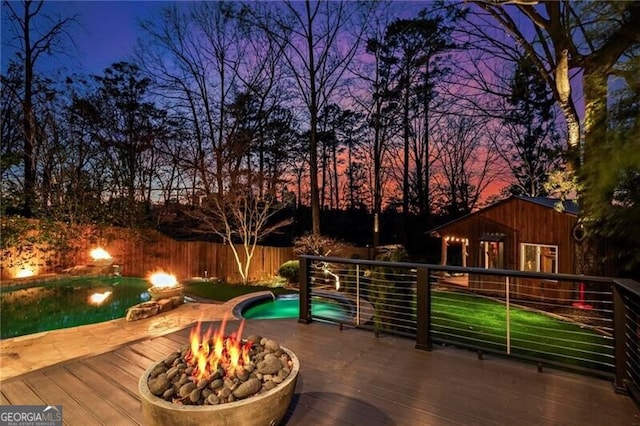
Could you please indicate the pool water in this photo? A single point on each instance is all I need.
(288, 306)
(67, 303)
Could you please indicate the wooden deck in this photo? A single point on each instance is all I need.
(347, 377)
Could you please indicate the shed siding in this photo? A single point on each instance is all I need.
(521, 222)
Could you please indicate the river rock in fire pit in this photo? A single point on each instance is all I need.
(271, 345)
(270, 365)
(247, 388)
(239, 382)
(177, 391)
(159, 384)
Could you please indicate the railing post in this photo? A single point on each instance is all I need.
(508, 316)
(357, 294)
(423, 309)
(619, 339)
(304, 317)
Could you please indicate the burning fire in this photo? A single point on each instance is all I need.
(212, 350)
(99, 298)
(25, 272)
(100, 253)
(163, 280)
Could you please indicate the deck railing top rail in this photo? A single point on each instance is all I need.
(627, 283)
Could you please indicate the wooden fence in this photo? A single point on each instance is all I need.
(140, 254)
(196, 259)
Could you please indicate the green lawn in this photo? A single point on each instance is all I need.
(481, 322)
(221, 292)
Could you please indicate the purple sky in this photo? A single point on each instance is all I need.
(106, 32)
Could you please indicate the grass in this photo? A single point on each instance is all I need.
(482, 322)
(222, 292)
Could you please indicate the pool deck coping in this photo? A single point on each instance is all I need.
(22, 354)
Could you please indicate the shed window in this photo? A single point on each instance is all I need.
(538, 258)
(491, 254)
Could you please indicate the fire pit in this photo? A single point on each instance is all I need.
(220, 380)
(100, 257)
(164, 286)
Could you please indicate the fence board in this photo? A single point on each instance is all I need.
(140, 254)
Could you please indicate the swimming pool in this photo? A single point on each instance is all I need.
(288, 306)
(67, 303)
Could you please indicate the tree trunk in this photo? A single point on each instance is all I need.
(336, 189)
(28, 121)
(405, 167)
(595, 109)
(313, 137)
(424, 189)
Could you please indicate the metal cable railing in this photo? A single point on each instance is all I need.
(586, 324)
(558, 323)
(627, 330)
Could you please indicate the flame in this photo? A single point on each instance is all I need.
(100, 253)
(99, 298)
(211, 350)
(25, 272)
(162, 279)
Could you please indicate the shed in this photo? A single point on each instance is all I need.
(534, 234)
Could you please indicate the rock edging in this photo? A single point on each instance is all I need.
(154, 307)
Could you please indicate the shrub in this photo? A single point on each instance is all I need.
(290, 270)
(393, 253)
(317, 245)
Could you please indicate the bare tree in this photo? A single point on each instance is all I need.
(11, 148)
(380, 113)
(465, 165)
(194, 58)
(381, 117)
(33, 39)
(314, 36)
(224, 76)
(241, 220)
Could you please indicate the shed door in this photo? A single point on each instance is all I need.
(491, 254)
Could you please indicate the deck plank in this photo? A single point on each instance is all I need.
(151, 350)
(19, 393)
(109, 390)
(122, 374)
(347, 377)
(89, 395)
(52, 394)
(138, 363)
